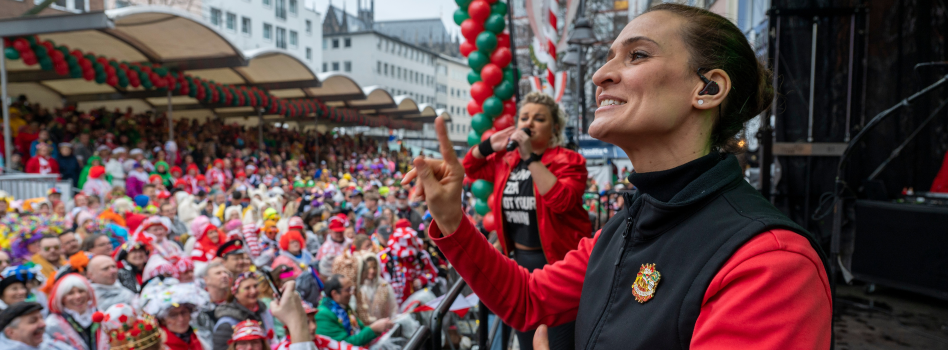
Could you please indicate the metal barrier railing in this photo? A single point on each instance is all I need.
(604, 210)
(23, 186)
(433, 334)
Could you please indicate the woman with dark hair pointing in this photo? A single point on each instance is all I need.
(697, 258)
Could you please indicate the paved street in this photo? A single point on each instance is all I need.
(889, 319)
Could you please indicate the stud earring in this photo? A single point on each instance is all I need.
(700, 102)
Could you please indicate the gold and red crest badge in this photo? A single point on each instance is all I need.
(645, 283)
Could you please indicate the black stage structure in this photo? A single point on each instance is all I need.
(838, 65)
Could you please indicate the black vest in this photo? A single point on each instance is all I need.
(688, 239)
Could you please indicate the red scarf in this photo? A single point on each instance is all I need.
(174, 343)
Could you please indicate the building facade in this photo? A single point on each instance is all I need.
(453, 94)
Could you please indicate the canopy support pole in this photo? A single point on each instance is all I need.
(316, 140)
(260, 128)
(170, 118)
(8, 147)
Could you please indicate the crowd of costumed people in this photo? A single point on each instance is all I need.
(186, 241)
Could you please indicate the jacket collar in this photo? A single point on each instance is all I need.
(513, 157)
(653, 217)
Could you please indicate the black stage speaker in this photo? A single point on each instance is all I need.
(902, 246)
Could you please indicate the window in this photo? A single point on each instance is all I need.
(385, 70)
(335, 43)
(267, 31)
(325, 44)
(266, 3)
(293, 6)
(309, 27)
(231, 21)
(280, 9)
(309, 54)
(216, 16)
(293, 39)
(335, 66)
(245, 25)
(324, 67)
(281, 37)
(347, 66)
(348, 42)
(379, 66)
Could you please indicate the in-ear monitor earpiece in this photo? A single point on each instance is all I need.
(710, 86)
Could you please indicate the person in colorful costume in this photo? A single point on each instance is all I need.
(71, 306)
(405, 263)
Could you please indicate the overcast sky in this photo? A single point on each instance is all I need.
(399, 9)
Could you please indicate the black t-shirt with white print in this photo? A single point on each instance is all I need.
(520, 207)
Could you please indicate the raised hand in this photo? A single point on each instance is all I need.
(499, 140)
(439, 183)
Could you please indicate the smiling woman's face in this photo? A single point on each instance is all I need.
(645, 88)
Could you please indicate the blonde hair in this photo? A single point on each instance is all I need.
(556, 113)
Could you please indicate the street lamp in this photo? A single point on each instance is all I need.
(582, 33)
(581, 37)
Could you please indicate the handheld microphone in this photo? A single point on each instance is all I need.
(512, 145)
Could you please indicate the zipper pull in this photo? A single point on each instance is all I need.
(625, 239)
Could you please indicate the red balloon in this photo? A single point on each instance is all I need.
(88, 75)
(510, 107)
(28, 56)
(501, 57)
(488, 221)
(467, 47)
(48, 45)
(85, 63)
(503, 40)
(473, 107)
(491, 74)
(479, 10)
(487, 134)
(503, 122)
(21, 44)
(29, 61)
(113, 81)
(56, 55)
(471, 28)
(480, 91)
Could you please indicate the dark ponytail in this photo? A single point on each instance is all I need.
(716, 43)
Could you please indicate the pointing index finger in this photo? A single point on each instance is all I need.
(447, 150)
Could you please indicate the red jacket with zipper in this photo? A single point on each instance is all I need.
(562, 220)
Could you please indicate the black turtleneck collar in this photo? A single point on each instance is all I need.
(664, 185)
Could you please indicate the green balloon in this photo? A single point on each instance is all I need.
(478, 59)
(482, 189)
(473, 138)
(473, 77)
(504, 91)
(463, 3)
(493, 106)
(486, 42)
(499, 8)
(481, 207)
(123, 83)
(46, 63)
(71, 60)
(481, 123)
(75, 73)
(100, 78)
(495, 24)
(509, 75)
(11, 53)
(460, 16)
